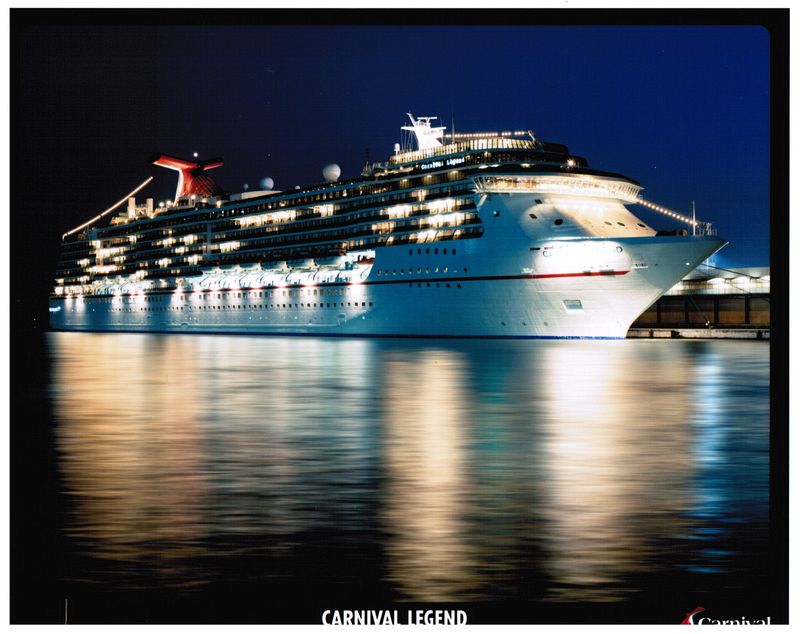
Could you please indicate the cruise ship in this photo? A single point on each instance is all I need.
(495, 234)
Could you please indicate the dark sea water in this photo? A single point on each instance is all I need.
(261, 479)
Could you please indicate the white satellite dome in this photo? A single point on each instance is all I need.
(331, 172)
(267, 183)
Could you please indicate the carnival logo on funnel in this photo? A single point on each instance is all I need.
(689, 620)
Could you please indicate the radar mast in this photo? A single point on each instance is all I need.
(427, 136)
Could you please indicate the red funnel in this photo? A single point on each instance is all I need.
(192, 177)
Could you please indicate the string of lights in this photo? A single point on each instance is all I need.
(107, 211)
(668, 212)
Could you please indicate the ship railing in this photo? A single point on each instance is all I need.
(565, 184)
(492, 143)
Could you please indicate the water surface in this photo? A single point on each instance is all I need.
(624, 477)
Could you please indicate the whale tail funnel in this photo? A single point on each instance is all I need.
(192, 177)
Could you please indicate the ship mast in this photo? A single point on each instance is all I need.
(427, 136)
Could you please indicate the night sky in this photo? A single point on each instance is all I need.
(684, 110)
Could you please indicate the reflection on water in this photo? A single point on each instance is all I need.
(619, 462)
(441, 471)
(425, 405)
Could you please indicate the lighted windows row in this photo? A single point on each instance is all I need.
(300, 240)
(251, 307)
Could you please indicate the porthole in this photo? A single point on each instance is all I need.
(533, 216)
(608, 223)
(436, 251)
(558, 221)
(427, 251)
(419, 251)
(496, 213)
(641, 225)
(621, 224)
(619, 249)
(454, 251)
(444, 251)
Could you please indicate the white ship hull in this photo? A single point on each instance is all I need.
(524, 277)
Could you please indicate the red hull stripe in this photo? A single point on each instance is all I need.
(583, 274)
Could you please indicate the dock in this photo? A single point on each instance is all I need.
(698, 333)
(710, 303)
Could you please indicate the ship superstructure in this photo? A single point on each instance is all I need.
(483, 234)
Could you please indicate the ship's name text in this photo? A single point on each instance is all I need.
(394, 617)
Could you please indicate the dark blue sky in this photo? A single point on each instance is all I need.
(683, 110)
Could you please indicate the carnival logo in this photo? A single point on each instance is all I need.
(704, 620)
(689, 620)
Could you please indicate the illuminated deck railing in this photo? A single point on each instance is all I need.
(494, 143)
(568, 184)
